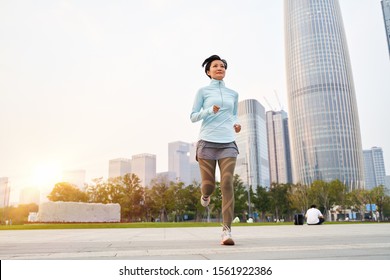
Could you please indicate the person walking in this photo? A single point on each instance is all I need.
(314, 216)
(216, 106)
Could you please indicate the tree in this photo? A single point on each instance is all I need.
(298, 196)
(67, 192)
(262, 201)
(359, 198)
(378, 197)
(240, 197)
(320, 195)
(159, 199)
(215, 207)
(338, 195)
(191, 195)
(115, 190)
(279, 199)
(132, 200)
(19, 214)
(98, 191)
(176, 192)
(386, 207)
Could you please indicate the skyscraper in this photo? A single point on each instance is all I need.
(119, 167)
(386, 18)
(144, 166)
(374, 167)
(178, 161)
(279, 147)
(323, 115)
(252, 162)
(181, 162)
(4, 192)
(194, 165)
(387, 184)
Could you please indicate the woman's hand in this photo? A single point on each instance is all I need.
(237, 128)
(216, 109)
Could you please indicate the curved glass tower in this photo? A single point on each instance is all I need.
(324, 122)
(386, 17)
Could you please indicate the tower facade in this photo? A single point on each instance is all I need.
(386, 18)
(194, 165)
(119, 167)
(323, 115)
(179, 162)
(144, 166)
(374, 168)
(5, 192)
(182, 163)
(252, 162)
(279, 147)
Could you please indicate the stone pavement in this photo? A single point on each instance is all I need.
(369, 241)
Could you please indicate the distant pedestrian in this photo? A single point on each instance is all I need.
(314, 216)
(217, 107)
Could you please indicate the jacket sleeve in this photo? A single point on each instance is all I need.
(198, 112)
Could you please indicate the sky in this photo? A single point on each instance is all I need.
(83, 82)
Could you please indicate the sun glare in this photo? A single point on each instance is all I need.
(47, 175)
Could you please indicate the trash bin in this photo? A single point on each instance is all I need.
(298, 219)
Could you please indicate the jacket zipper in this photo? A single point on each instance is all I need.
(219, 84)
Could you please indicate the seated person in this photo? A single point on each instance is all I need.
(314, 216)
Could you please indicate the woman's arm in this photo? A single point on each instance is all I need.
(198, 113)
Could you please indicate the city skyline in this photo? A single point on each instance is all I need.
(83, 83)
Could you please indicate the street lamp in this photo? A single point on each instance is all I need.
(249, 195)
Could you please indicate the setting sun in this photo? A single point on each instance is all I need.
(46, 175)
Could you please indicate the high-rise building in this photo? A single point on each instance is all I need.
(119, 167)
(252, 162)
(279, 147)
(144, 166)
(75, 177)
(386, 18)
(194, 165)
(182, 162)
(179, 162)
(323, 116)
(374, 168)
(4, 192)
(387, 184)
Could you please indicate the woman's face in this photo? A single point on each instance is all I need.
(217, 70)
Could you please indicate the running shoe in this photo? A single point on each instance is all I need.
(226, 236)
(205, 201)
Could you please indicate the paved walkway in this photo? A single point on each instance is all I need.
(287, 242)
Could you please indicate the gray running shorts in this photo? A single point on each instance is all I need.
(215, 151)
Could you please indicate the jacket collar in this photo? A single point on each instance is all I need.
(217, 82)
